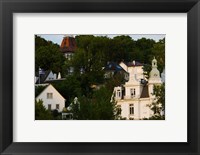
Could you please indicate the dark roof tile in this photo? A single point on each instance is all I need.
(145, 92)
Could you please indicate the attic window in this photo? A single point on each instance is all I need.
(49, 95)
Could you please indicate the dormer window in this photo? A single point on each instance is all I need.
(133, 92)
(49, 95)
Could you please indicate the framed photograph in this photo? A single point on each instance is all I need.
(99, 77)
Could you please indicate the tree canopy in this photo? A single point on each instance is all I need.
(48, 56)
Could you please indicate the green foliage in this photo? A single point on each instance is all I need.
(93, 52)
(121, 48)
(48, 56)
(158, 106)
(40, 42)
(114, 81)
(69, 88)
(39, 89)
(157, 117)
(144, 50)
(91, 57)
(97, 107)
(157, 51)
(147, 69)
(41, 113)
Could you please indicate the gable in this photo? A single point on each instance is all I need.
(51, 76)
(50, 89)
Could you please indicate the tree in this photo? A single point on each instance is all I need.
(97, 107)
(41, 113)
(40, 42)
(69, 88)
(90, 56)
(147, 68)
(39, 89)
(114, 81)
(158, 51)
(48, 56)
(121, 48)
(158, 106)
(143, 50)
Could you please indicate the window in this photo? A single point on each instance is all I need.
(49, 106)
(133, 93)
(118, 93)
(131, 108)
(57, 106)
(49, 95)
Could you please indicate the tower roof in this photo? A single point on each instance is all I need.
(68, 44)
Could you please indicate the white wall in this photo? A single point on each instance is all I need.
(57, 98)
(145, 112)
(128, 91)
(141, 109)
(138, 71)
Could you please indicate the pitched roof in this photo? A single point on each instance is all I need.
(42, 76)
(50, 85)
(68, 45)
(113, 66)
(145, 92)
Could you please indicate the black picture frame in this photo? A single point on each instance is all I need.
(8, 7)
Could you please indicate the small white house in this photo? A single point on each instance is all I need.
(51, 98)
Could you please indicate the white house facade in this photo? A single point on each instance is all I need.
(51, 98)
(135, 96)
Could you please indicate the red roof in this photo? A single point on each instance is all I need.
(68, 45)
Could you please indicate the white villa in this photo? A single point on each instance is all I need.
(51, 98)
(135, 96)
